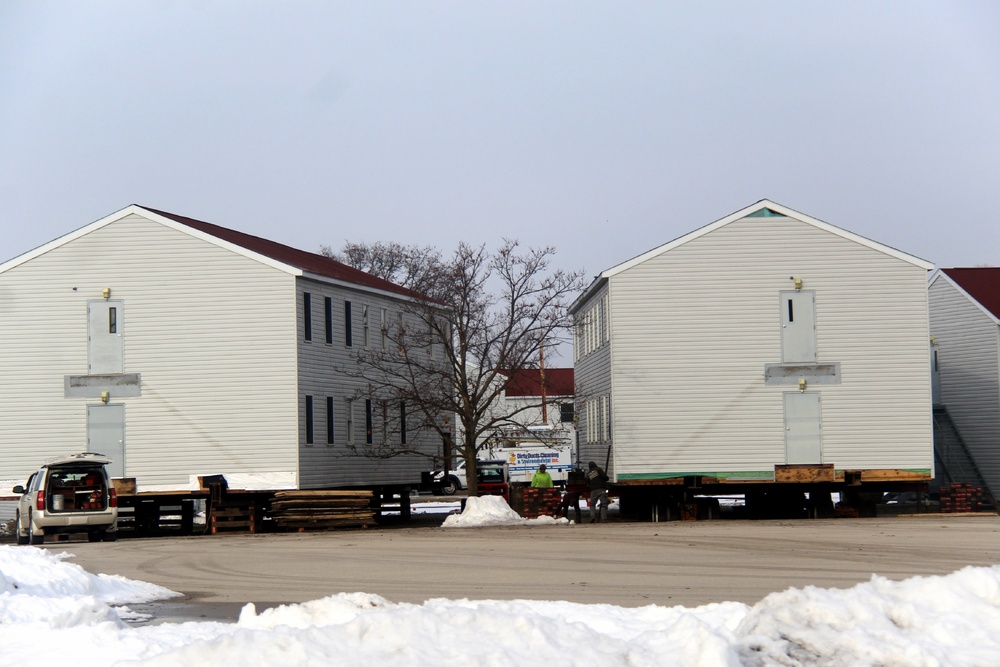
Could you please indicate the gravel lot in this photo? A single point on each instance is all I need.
(627, 564)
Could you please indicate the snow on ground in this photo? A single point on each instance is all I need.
(53, 612)
(494, 511)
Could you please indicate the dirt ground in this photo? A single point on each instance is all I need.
(620, 563)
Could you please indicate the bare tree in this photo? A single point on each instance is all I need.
(482, 317)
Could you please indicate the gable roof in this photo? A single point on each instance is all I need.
(291, 260)
(981, 284)
(765, 208)
(528, 382)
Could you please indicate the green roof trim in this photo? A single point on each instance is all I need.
(766, 213)
(752, 474)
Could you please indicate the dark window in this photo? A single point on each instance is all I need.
(368, 421)
(112, 320)
(350, 421)
(791, 312)
(329, 420)
(348, 340)
(328, 305)
(309, 420)
(402, 422)
(566, 412)
(307, 315)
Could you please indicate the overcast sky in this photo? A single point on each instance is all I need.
(603, 128)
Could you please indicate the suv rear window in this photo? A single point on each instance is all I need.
(80, 488)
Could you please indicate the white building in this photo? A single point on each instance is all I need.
(764, 340)
(180, 348)
(965, 325)
(542, 402)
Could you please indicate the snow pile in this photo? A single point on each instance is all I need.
(494, 511)
(52, 611)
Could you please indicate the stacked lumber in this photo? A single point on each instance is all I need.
(961, 498)
(299, 510)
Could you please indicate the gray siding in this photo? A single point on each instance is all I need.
(210, 331)
(592, 377)
(693, 328)
(968, 346)
(321, 375)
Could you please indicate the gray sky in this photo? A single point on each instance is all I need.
(603, 128)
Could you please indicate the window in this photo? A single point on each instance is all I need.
(364, 326)
(368, 421)
(348, 338)
(384, 327)
(112, 320)
(566, 412)
(607, 318)
(385, 421)
(608, 426)
(350, 421)
(309, 420)
(329, 420)
(307, 318)
(402, 422)
(328, 309)
(605, 418)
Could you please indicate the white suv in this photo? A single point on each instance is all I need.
(71, 494)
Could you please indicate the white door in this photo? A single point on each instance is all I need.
(803, 429)
(798, 326)
(105, 322)
(106, 435)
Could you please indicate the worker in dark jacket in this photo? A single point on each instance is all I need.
(598, 480)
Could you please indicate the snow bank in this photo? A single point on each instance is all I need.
(494, 511)
(52, 611)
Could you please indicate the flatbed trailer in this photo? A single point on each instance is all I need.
(795, 491)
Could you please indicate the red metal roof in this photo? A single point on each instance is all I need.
(300, 259)
(982, 284)
(528, 382)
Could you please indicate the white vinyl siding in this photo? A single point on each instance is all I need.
(693, 327)
(212, 333)
(968, 346)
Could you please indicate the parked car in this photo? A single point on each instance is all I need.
(493, 479)
(451, 482)
(71, 494)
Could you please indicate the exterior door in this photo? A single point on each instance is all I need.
(106, 435)
(105, 322)
(803, 430)
(798, 326)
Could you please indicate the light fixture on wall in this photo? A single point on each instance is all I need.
(802, 384)
(106, 293)
(797, 282)
(105, 397)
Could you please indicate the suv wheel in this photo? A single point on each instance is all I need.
(35, 535)
(21, 539)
